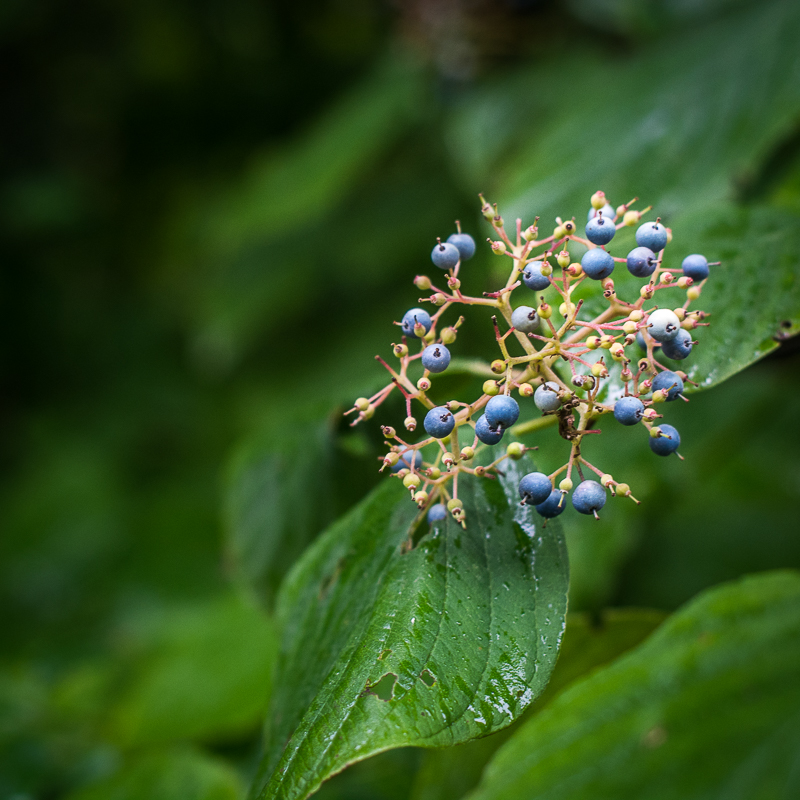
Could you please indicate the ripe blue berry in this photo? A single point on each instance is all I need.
(695, 267)
(607, 209)
(679, 347)
(668, 382)
(445, 255)
(502, 412)
(550, 508)
(597, 264)
(439, 422)
(437, 513)
(589, 497)
(652, 235)
(486, 434)
(663, 446)
(415, 315)
(641, 262)
(535, 488)
(546, 396)
(525, 319)
(663, 325)
(406, 460)
(600, 229)
(532, 277)
(436, 358)
(628, 410)
(464, 243)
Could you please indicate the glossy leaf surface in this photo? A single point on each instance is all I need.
(386, 646)
(709, 706)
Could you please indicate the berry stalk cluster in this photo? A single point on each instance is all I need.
(555, 357)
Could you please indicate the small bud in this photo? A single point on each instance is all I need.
(411, 481)
(400, 350)
(637, 315)
(388, 432)
(498, 247)
(454, 504)
(632, 218)
(593, 342)
(563, 259)
(565, 485)
(423, 384)
(449, 335)
(544, 311)
(693, 292)
(421, 498)
(422, 282)
(498, 366)
(467, 453)
(598, 200)
(606, 480)
(526, 390)
(491, 388)
(438, 299)
(410, 423)
(515, 450)
(362, 404)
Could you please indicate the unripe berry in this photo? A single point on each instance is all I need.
(566, 309)
(421, 498)
(438, 299)
(569, 227)
(467, 453)
(636, 315)
(666, 278)
(410, 423)
(529, 234)
(434, 473)
(659, 396)
(629, 327)
(515, 450)
(498, 366)
(498, 247)
(599, 370)
(544, 311)
(563, 259)
(547, 268)
(422, 282)
(565, 485)
(647, 292)
(606, 341)
(420, 331)
(623, 490)
(369, 412)
(526, 390)
(390, 459)
(606, 480)
(491, 388)
(684, 282)
(617, 351)
(423, 384)
(693, 292)
(650, 414)
(559, 232)
(454, 504)
(575, 270)
(655, 432)
(400, 350)
(631, 218)
(454, 283)
(598, 199)
(362, 404)
(411, 481)
(388, 432)
(680, 313)
(449, 335)
(593, 342)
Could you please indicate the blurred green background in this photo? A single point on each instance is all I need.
(210, 215)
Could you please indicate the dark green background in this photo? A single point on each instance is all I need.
(210, 214)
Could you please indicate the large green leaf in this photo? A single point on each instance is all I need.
(452, 771)
(386, 646)
(709, 706)
(685, 125)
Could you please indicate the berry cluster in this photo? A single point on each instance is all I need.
(561, 360)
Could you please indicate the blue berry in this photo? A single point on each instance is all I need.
(546, 396)
(486, 434)
(597, 264)
(589, 497)
(600, 229)
(437, 513)
(663, 325)
(406, 460)
(628, 410)
(535, 488)
(436, 358)
(641, 262)
(445, 255)
(663, 446)
(415, 315)
(532, 277)
(464, 243)
(502, 412)
(525, 319)
(678, 348)
(439, 422)
(642, 344)
(695, 267)
(607, 209)
(652, 235)
(550, 508)
(668, 382)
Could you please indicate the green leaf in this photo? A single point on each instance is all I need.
(182, 774)
(204, 674)
(709, 706)
(587, 644)
(385, 646)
